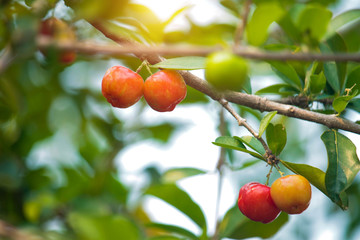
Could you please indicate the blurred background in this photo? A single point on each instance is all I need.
(73, 167)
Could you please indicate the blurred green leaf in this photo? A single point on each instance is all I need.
(182, 63)
(173, 229)
(263, 16)
(162, 132)
(103, 227)
(194, 96)
(351, 35)
(337, 45)
(174, 174)
(287, 73)
(317, 82)
(276, 137)
(313, 21)
(232, 5)
(340, 103)
(236, 226)
(355, 104)
(353, 81)
(179, 199)
(235, 144)
(75, 183)
(283, 90)
(343, 164)
(116, 188)
(342, 20)
(265, 122)
(253, 143)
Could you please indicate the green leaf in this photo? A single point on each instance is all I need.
(337, 45)
(236, 226)
(263, 16)
(276, 137)
(179, 199)
(283, 90)
(265, 122)
(355, 104)
(161, 132)
(353, 80)
(313, 21)
(343, 164)
(335, 72)
(314, 175)
(252, 143)
(175, 14)
(182, 63)
(235, 144)
(339, 104)
(287, 73)
(102, 227)
(173, 229)
(175, 174)
(317, 82)
(342, 20)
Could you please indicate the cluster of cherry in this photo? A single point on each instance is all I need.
(163, 90)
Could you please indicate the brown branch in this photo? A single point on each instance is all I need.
(252, 101)
(153, 52)
(239, 33)
(10, 232)
(263, 104)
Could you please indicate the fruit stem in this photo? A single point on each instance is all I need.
(278, 169)
(146, 64)
(268, 175)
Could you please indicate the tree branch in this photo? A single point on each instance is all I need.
(129, 47)
(10, 232)
(239, 33)
(252, 101)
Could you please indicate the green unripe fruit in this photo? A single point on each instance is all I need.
(226, 71)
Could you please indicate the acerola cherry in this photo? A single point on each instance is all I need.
(60, 31)
(122, 87)
(291, 194)
(255, 202)
(226, 71)
(164, 90)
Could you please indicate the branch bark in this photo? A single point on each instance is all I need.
(10, 232)
(129, 47)
(252, 101)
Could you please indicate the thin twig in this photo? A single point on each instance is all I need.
(144, 52)
(219, 168)
(242, 122)
(239, 33)
(6, 58)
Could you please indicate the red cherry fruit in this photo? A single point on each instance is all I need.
(255, 202)
(164, 90)
(122, 87)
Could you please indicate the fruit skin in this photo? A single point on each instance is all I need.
(256, 203)
(291, 193)
(122, 87)
(60, 31)
(164, 90)
(226, 71)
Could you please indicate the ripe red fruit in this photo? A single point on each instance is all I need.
(164, 90)
(291, 194)
(122, 87)
(60, 31)
(256, 203)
